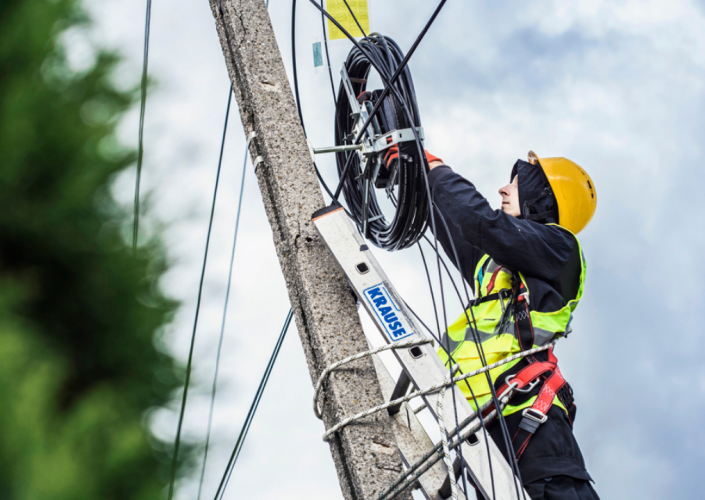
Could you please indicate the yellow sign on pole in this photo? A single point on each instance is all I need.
(340, 12)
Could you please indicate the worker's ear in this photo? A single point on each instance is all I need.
(533, 159)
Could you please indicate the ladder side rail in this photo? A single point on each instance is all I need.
(412, 439)
(421, 363)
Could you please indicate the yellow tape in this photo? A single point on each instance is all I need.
(339, 11)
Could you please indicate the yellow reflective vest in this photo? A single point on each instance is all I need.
(494, 329)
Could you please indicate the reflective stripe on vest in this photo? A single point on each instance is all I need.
(495, 329)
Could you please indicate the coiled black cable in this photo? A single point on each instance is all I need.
(411, 216)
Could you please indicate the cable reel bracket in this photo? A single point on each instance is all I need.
(374, 141)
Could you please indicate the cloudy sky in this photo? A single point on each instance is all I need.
(616, 86)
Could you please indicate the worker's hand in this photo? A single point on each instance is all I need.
(433, 161)
(391, 156)
(364, 96)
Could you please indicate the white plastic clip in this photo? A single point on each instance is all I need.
(259, 159)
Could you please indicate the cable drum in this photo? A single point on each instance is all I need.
(406, 186)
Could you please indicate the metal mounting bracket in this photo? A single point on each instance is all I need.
(372, 143)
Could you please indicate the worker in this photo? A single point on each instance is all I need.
(521, 261)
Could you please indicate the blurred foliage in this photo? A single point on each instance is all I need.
(79, 366)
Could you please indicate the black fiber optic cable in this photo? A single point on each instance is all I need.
(353, 158)
(140, 139)
(390, 89)
(422, 164)
(388, 84)
(505, 433)
(222, 325)
(253, 409)
(450, 369)
(296, 91)
(354, 17)
(451, 360)
(189, 363)
(473, 328)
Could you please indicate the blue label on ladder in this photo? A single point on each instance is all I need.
(388, 313)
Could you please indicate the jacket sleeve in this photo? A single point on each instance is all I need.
(453, 243)
(534, 249)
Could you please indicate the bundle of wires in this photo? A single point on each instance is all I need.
(398, 111)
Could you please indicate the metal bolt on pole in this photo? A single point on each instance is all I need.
(365, 454)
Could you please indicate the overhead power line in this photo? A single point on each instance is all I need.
(253, 409)
(222, 324)
(140, 141)
(389, 88)
(177, 441)
(389, 77)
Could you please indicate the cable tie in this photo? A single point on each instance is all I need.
(257, 160)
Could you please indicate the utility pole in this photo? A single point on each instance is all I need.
(365, 454)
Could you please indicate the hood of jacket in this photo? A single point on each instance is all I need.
(536, 198)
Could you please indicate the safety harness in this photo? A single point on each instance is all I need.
(536, 375)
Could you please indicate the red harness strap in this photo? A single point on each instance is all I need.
(534, 416)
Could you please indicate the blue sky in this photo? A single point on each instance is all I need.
(616, 86)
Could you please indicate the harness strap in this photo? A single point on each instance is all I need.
(503, 294)
(493, 278)
(522, 315)
(553, 385)
(528, 374)
(533, 417)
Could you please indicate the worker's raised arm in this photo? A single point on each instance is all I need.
(538, 250)
(468, 256)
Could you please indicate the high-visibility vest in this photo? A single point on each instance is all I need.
(492, 312)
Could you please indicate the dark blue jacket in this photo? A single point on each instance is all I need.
(549, 258)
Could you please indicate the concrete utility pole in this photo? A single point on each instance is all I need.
(365, 454)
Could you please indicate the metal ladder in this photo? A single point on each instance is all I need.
(421, 365)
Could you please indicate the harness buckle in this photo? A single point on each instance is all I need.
(535, 415)
(528, 388)
(531, 420)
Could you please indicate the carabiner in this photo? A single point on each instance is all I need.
(529, 387)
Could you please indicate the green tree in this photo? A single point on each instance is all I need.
(78, 312)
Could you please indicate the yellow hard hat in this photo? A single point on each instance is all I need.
(573, 189)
